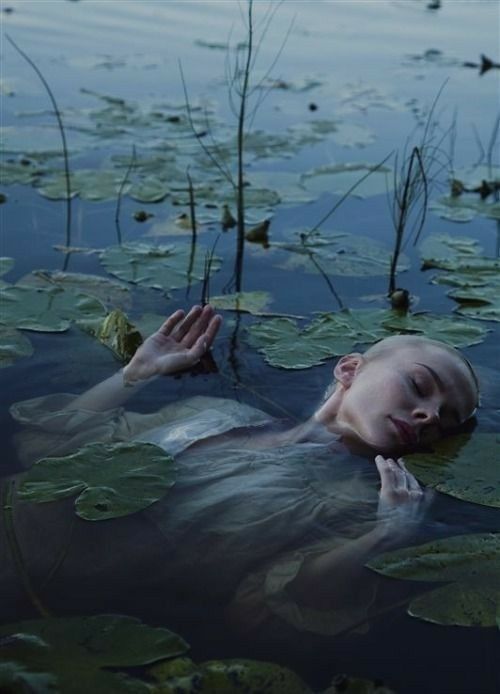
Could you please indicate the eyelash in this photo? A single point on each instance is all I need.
(416, 387)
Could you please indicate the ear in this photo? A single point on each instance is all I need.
(347, 367)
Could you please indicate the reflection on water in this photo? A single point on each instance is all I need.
(352, 84)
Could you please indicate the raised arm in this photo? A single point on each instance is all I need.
(179, 343)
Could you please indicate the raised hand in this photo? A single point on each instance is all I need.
(178, 344)
(402, 501)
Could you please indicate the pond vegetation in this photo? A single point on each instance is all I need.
(291, 245)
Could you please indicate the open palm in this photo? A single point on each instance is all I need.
(178, 344)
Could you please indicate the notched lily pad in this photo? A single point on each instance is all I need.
(115, 332)
(465, 466)
(13, 345)
(80, 649)
(46, 310)
(111, 480)
(470, 562)
(163, 267)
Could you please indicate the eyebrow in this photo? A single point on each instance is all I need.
(437, 378)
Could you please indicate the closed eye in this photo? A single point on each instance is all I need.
(416, 387)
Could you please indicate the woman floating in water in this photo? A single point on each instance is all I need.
(272, 525)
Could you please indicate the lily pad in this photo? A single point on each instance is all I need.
(235, 675)
(449, 330)
(14, 677)
(464, 466)
(46, 310)
(250, 302)
(342, 254)
(111, 292)
(78, 650)
(161, 267)
(470, 562)
(339, 178)
(115, 332)
(457, 254)
(25, 171)
(287, 346)
(110, 480)
(89, 184)
(13, 345)
(482, 303)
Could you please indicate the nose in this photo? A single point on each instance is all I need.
(426, 414)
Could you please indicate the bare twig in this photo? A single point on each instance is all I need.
(119, 198)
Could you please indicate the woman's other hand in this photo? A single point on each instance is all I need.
(179, 343)
(402, 501)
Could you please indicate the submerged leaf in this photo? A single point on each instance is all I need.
(111, 480)
(13, 345)
(251, 302)
(161, 267)
(465, 466)
(79, 649)
(46, 310)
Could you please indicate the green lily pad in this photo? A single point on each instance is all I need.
(14, 677)
(235, 675)
(457, 254)
(285, 183)
(449, 330)
(46, 310)
(286, 346)
(77, 651)
(115, 332)
(25, 172)
(250, 302)
(342, 254)
(482, 303)
(89, 184)
(339, 178)
(161, 267)
(110, 480)
(6, 265)
(464, 466)
(149, 189)
(13, 345)
(470, 562)
(110, 292)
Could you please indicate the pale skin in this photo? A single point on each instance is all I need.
(391, 404)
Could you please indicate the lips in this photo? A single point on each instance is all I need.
(405, 431)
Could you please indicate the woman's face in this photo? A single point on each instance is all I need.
(406, 397)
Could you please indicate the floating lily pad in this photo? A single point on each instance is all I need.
(115, 332)
(471, 562)
(13, 345)
(24, 171)
(89, 184)
(148, 189)
(342, 254)
(284, 344)
(449, 330)
(464, 466)
(111, 292)
(482, 303)
(285, 183)
(14, 677)
(339, 178)
(439, 250)
(161, 267)
(250, 302)
(110, 480)
(236, 675)
(78, 650)
(46, 310)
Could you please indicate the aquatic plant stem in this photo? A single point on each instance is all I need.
(8, 499)
(119, 198)
(62, 132)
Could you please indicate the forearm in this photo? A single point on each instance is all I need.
(108, 394)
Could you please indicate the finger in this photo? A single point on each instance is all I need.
(198, 326)
(213, 329)
(167, 327)
(386, 471)
(412, 482)
(204, 342)
(183, 328)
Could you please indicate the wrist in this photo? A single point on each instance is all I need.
(132, 380)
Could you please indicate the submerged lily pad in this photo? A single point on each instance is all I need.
(111, 480)
(449, 330)
(164, 267)
(339, 178)
(115, 332)
(235, 675)
(13, 345)
(471, 562)
(250, 302)
(46, 310)
(78, 650)
(464, 466)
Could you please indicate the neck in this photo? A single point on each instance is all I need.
(311, 430)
